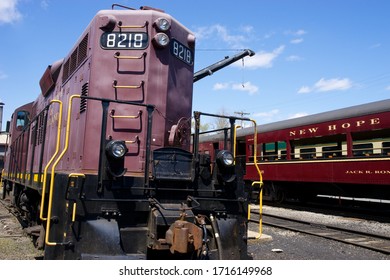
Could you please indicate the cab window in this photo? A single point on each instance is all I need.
(21, 119)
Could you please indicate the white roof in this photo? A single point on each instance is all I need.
(3, 138)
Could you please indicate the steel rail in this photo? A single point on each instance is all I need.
(375, 242)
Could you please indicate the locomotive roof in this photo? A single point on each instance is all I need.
(344, 113)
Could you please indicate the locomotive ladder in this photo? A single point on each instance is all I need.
(260, 183)
(51, 190)
(51, 160)
(117, 88)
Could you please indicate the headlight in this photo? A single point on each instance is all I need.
(161, 40)
(226, 167)
(162, 24)
(116, 149)
(226, 158)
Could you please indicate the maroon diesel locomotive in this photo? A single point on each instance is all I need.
(344, 152)
(101, 165)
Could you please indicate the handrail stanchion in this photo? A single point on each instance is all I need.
(260, 182)
(51, 160)
(67, 132)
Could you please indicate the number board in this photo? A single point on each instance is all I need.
(181, 52)
(124, 40)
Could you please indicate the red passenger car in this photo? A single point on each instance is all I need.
(344, 152)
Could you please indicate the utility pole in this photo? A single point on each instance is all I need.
(1, 115)
(242, 114)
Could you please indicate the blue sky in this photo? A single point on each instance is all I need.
(311, 56)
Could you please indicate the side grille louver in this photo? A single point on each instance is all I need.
(83, 101)
(77, 57)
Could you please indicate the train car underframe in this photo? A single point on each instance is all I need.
(129, 221)
(202, 215)
(184, 210)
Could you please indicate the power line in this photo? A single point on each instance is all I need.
(220, 50)
(242, 114)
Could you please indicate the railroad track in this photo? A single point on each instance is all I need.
(15, 244)
(375, 242)
(379, 212)
(6, 217)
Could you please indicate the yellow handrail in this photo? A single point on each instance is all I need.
(260, 182)
(118, 56)
(49, 243)
(119, 25)
(114, 85)
(136, 140)
(51, 160)
(124, 117)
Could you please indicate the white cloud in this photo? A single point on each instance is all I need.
(333, 84)
(375, 46)
(296, 41)
(261, 59)
(293, 58)
(3, 75)
(221, 86)
(388, 88)
(304, 89)
(246, 87)
(247, 28)
(9, 12)
(45, 4)
(297, 33)
(324, 85)
(269, 35)
(300, 32)
(298, 115)
(221, 32)
(268, 114)
(297, 36)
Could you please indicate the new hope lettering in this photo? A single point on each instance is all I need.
(333, 127)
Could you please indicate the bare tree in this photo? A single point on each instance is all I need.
(203, 126)
(222, 122)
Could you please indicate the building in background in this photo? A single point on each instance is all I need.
(3, 147)
(3, 138)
